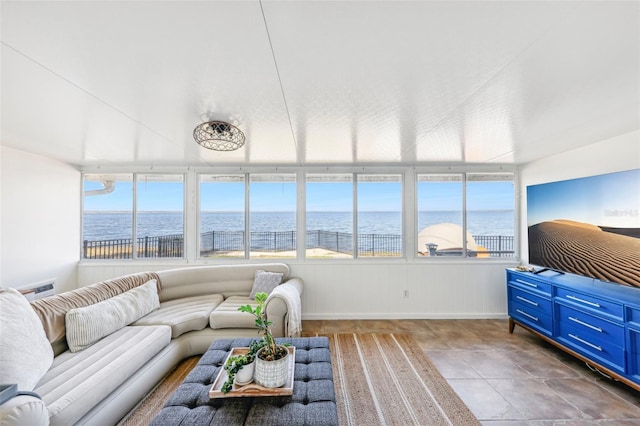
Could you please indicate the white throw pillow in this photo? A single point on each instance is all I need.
(265, 282)
(87, 325)
(25, 351)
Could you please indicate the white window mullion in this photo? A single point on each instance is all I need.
(191, 214)
(247, 213)
(301, 219)
(409, 214)
(355, 215)
(134, 241)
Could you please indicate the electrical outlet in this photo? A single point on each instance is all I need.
(406, 293)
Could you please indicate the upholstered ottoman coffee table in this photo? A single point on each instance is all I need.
(313, 401)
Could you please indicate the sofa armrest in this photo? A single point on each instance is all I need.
(277, 308)
(24, 410)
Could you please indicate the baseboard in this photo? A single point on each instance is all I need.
(401, 316)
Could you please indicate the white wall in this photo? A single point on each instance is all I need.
(611, 155)
(375, 289)
(40, 220)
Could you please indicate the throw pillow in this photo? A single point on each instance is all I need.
(87, 325)
(25, 351)
(265, 282)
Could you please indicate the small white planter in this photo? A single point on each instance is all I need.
(245, 375)
(271, 374)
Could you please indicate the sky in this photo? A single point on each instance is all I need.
(379, 196)
(605, 200)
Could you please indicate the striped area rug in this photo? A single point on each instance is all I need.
(379, 379)
(385, 379)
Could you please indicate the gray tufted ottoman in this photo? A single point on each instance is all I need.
(313, 401)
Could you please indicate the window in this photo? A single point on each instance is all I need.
(222, 216)
(348, 215)
(271, 210)
(329, 216)
(111, 205)
(272, 219)
(490, 213)
(440, 218)
(160, 218)
(468, 215)
(379, 215)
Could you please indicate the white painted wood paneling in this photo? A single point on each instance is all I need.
(372, 290)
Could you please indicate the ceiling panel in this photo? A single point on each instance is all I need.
(317, 82)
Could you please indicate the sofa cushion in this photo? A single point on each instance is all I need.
(265, 282)
(87, 325)
(183, 315)
(227, 315)
(78, 381)
(53, 309)
(25, 351)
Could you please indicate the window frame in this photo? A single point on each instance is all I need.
(134, 214)
(464, 173)
(408, 174)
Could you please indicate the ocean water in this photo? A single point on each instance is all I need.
(113, 225)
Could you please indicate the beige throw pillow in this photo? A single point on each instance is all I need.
(25, 351)
(87, 325)
(265, 282)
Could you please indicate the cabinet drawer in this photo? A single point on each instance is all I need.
(633, 316)
(590, 324)
(532, 317)
(634, 352)
(533, 301)
(591, 303)
(601, 351)
(530, 283)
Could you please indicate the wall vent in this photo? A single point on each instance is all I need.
(39, 290)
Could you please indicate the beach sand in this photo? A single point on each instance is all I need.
(586, 249)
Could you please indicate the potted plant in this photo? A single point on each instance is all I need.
(272, 364)
(240, 368)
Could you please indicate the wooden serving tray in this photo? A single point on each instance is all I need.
(253, 389)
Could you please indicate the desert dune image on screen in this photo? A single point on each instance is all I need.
(588, 226)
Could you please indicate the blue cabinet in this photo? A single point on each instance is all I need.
(595, 321)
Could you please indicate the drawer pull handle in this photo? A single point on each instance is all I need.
(577, 299)
(527, 283)
(596, 347)
(527, 315)
(527, 300)
(593, 327)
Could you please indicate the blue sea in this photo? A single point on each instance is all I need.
(114, 225)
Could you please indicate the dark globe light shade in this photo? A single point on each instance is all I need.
(219, 136)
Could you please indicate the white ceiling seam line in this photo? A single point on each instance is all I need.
(492, 77)
(97, 98)
(284, 97)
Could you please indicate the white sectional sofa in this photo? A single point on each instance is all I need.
(99, 384)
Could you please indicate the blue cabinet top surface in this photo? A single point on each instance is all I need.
(614, 292)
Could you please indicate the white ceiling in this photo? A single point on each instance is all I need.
(317, 82)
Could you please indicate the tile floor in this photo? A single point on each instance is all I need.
(508, 379)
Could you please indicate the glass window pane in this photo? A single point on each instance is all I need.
(379, 215)
(490, 214)
(107, 219)
(222, 216)
(160, 215)
(329, 216)
(440, 231)
(272, 217)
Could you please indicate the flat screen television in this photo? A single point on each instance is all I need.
(588, 226)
